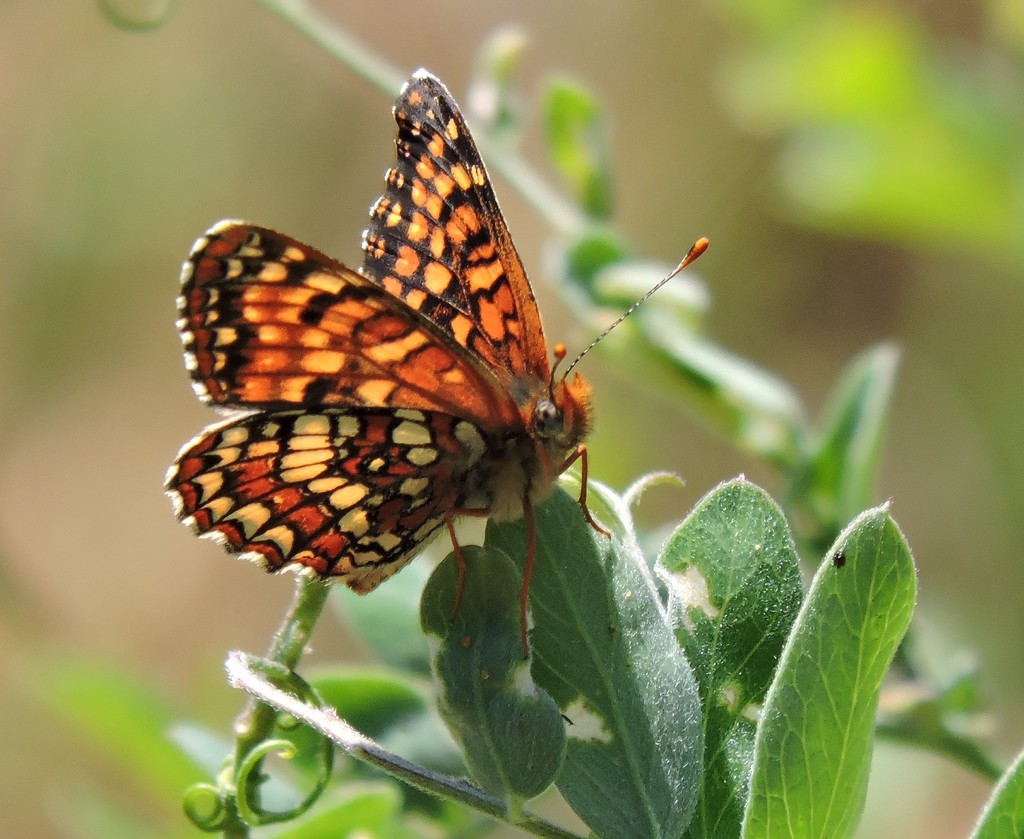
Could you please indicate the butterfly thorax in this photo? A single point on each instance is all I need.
(525, 463)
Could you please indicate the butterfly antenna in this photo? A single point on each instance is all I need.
(698, 248)
(558, 352)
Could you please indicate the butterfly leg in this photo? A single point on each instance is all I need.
(460, 560)
(531, 550)
(581, 455)
(460, 564)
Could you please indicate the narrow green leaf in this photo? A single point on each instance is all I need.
(1003, 816)
(576, 142)
(122, 718)
(511, 733)
(603, 648)
(734, 587)
(838, 478)
(753, 408)
(813, 748)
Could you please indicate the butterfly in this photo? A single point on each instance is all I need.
(378, 405)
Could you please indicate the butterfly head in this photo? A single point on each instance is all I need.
(560, 418)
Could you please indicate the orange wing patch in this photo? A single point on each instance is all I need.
(267, 320)
(437, 238)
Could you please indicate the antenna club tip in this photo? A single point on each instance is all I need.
(559, 351)
(698, 248)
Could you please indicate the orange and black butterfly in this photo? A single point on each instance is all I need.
(384, 403)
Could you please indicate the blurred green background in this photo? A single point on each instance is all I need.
(859, 170)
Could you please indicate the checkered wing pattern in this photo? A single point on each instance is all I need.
(350, 494)
(267, 321)
(437, 238)
(377, 404)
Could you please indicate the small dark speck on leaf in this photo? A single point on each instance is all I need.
(839, 559)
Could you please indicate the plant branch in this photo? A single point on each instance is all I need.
(338, 43)
(361, 747)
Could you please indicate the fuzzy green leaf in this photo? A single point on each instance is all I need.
(603, 648)
(755, 409)
(734, 590)
(813, 748)
(1003, 815)
(511, 733)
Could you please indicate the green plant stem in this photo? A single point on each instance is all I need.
(361, 747)
(958, 748)
(559, 213)
(256, 722)
(338, 43)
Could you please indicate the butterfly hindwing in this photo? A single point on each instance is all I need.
(345, 494)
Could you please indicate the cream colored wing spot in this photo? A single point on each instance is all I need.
(218, 507)
(262, 448)
(408, 433)
(312, 424)
(467, 434)
(354, 522)
(303, 474)
(348, 496)
(387, 541)
(234, 435)
(421, 456)
(210, 483)
(295, 460)
(411, 415)
(226, 456)
(282, 536)
(309, 442)
(252, 517)
(347, 426)
(414, 487)
(322, 486)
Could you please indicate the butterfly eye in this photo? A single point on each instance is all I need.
(547, 419)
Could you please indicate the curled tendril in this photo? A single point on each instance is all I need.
(247, 802)
(632, 496)
(204, 807)
(161, 13)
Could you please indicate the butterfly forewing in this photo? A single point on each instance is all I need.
(437, 238)
(269, 321)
